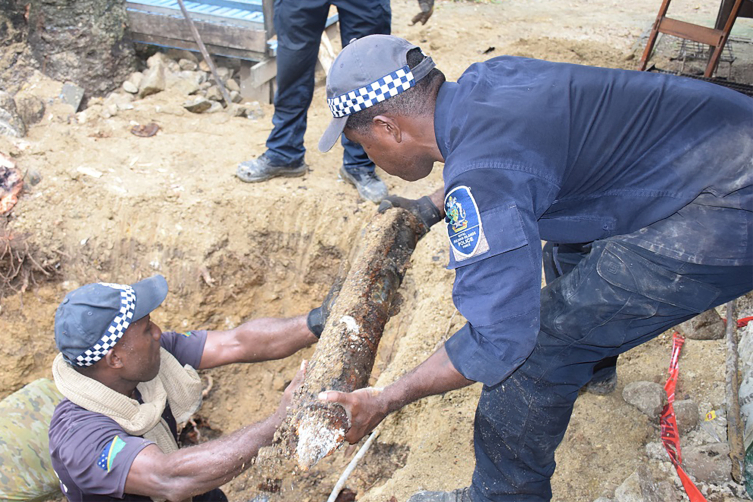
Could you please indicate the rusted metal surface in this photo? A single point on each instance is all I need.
(734, 420)
(348, 346)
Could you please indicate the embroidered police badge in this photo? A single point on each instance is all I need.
(464, 224)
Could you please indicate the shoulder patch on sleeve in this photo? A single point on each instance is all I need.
(111, 449)
(464, 226)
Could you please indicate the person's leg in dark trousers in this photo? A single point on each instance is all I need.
(616, 298)
(560, 259)
(359, 18)
(299, 25)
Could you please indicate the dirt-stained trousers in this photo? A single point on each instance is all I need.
(616, 297)
(299, 25)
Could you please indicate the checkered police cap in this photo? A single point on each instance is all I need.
(366, 72)
(91, 319)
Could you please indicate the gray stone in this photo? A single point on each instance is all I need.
(33, 176)
(203, 66)
(186, 86)
(72, 94)
(666, 492)
(656, 451)
(82, 41)
(603, 499)
(216, 107)
(158, 58)
(639, 487)
(252, 110)
(130, 87)
(686, 413)
(10, 122)
(116, 102)
(708, 463)
(232, 85)
(648, 397)
(187, 64)
(198, 105)
(178, 54)
(705, 326)
(136, 78)
(235, 97)
(224, 73)
(214, 93)
(30, 108)
(154, 79)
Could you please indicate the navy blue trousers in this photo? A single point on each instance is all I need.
(299, 25)
(616, 297)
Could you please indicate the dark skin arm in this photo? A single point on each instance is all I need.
(198, 469)
(368, 407)
(256, 340)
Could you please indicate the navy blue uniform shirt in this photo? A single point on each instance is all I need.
(566, 153)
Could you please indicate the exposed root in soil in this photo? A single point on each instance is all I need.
(19, 263)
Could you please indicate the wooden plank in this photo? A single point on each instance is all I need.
(201, 12)
(326, 54)
(269, 26)
(689, 31)
(347, 349)
(176, 28)
(191, 46)
(258, 80)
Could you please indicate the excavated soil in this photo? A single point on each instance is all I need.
(112, 206)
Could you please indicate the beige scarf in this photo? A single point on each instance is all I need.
(178, 385)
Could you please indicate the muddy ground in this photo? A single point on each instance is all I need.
(115, 207)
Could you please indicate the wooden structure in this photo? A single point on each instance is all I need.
(715, 37)
(239, 29)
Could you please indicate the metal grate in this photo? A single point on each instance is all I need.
(737, 86)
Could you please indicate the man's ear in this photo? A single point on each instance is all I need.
(113, 360)
(387, 127)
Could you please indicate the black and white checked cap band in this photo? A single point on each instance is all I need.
(117, 327)
(388, 86)
(367, 72)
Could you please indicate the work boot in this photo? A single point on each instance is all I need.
(369, 186)
(262, 169)
(459, 495)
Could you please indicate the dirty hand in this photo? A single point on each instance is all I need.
(423, 209)
(287, 396)
(318, 316)
(364, 407)
(427, 9)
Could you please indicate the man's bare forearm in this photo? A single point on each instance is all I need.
(434, 376)
(198, 469)
(257, 340)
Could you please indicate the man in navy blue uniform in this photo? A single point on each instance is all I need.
(299, 25)
(653, 173)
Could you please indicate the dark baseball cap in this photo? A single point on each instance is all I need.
(91, 319)
(366, 72)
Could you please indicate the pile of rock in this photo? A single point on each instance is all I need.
(703, 434)
(181, 71)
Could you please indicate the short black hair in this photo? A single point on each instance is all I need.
(414, 101)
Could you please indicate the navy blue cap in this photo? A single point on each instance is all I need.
(366, 72)
(91, 319)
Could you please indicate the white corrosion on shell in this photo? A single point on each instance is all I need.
(352, 326)
(316, 440)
